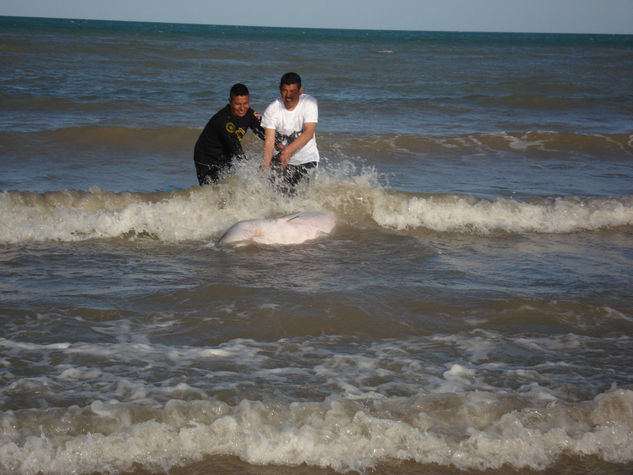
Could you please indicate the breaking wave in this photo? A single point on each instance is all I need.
(453, 416)
(341, 435)
(204, 213)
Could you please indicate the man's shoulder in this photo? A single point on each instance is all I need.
(309, 108)
(276, 104)
(308, 99)
(273, 108)
(222, 114)
(253, 113)
(308, 104)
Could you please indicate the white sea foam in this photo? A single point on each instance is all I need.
(487, 433)
(205, 213)
(390, 400)
(467, 214)
(200, 213)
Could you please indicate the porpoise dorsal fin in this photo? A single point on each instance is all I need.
(290, 217)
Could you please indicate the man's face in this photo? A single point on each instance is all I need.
(290, 95)
(239, 105)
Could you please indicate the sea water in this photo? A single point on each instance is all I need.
(471, 311)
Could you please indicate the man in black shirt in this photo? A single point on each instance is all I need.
(220, 140)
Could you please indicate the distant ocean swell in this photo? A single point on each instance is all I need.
(538, 143)
(91, 137)
(204, 213)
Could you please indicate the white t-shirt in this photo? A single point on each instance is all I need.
(288, 126)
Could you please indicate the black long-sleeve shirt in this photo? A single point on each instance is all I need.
(220, 141)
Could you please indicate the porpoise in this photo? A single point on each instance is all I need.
(288, 229)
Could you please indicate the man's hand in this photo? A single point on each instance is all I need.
(305, 136)
(284, 157)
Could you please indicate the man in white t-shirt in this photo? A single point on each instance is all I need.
(290, 125)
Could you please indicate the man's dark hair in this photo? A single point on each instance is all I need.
(290, 78)
(239, 89)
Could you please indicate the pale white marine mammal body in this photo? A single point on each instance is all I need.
(289, 229)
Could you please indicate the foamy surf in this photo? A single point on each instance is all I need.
(205, 213)
(468, 214)
(473, 431)
(393, 402)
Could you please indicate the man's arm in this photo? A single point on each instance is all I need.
(256, 126)
(269, 147)
(309, 128)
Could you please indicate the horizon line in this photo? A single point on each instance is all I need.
(316, 27)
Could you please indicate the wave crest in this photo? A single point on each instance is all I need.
(357, 200)
(454, 213)
(476, 431)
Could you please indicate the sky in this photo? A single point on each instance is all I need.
(533, 16)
